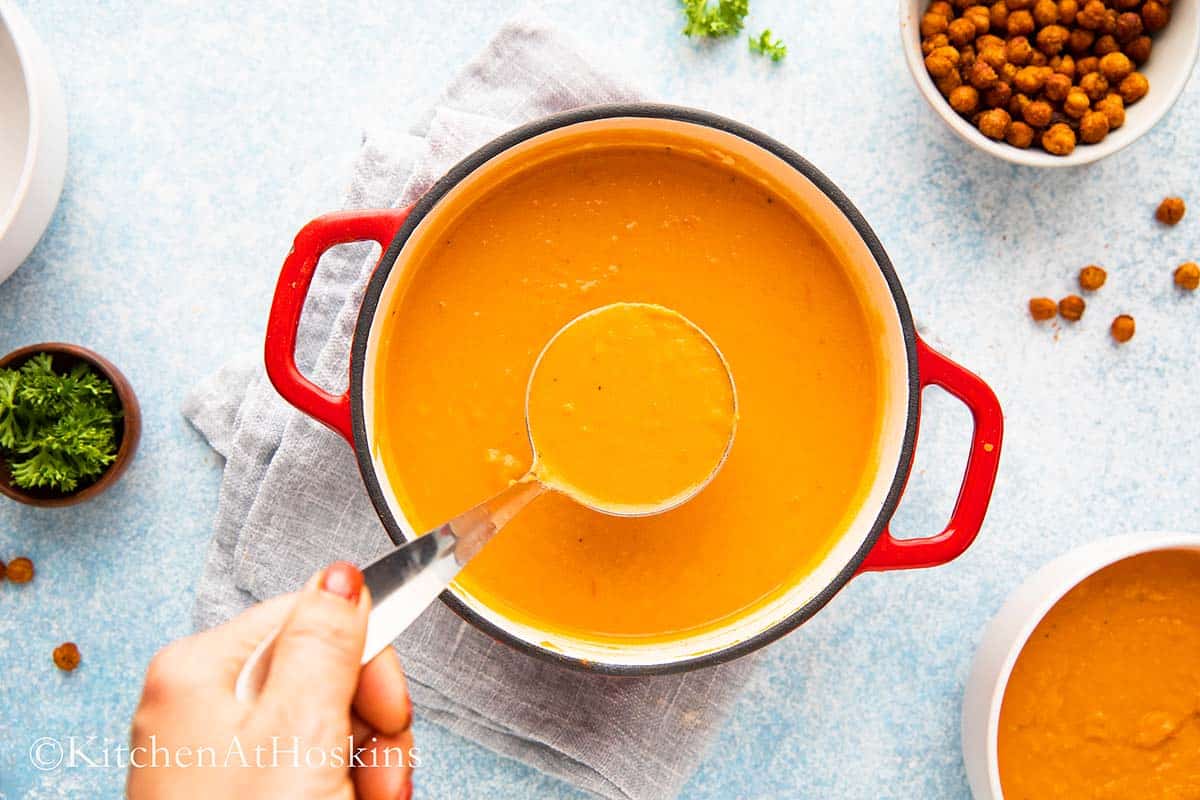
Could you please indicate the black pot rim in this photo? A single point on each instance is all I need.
(484, 154)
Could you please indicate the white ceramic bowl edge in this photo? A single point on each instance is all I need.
(1006, 634)
(24, 216)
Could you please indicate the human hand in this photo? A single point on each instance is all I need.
(321, 729)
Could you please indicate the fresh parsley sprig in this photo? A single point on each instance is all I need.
(56, 430)
(763, 45)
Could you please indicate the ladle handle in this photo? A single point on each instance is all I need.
(405, 581)
(295, 277)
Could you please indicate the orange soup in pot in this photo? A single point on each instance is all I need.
(492, 275)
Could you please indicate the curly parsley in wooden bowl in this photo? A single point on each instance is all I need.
(69, 424)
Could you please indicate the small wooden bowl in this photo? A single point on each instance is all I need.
(64, 357)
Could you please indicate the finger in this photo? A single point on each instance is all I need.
(382, 698)
(315, 665)
(385, 773)
(229, 645)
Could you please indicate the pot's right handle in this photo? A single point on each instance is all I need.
(295, 277)
(980, 476)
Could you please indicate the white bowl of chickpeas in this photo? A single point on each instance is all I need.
(1050, 83)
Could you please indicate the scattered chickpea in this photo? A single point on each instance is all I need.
(1112, 107)
(20, 570)
(1019, 135)
(66, 656)
(1122, 328)
(1155, 15)
(1071, 307)
(1093, 127)
(994, 123)
(1059, 139)
(1092, 278)
(1042, 308)
(1134, 88)
(1169, 212)
(1187, 276)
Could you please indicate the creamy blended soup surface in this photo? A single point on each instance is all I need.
(488, 282)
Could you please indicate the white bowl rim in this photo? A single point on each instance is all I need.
(34, 104)
(1167, 96)
(1093, 557)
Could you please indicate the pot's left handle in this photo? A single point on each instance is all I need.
(980, 476)
(342, 227)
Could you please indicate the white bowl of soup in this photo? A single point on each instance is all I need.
(696, 213)
(33, 139)
(1084, 684)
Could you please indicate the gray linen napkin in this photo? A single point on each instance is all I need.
(291, 498)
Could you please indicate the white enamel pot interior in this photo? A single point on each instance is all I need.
(1007, 633)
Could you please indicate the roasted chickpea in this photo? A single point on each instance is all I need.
(1134, 88)
(1038, 59)
(66, 656)
(1052, 38)
(933, 43)
(1104, 45)
(1129, 27)
(1042, 308)
(1008, 72)
(1092, 278)
(1056, 87)
(1019, 135)
(1115, 67)
(1139, 49)
(980, 17)
(1155, 15)
(1169, 212)
(1067, 9)
(1076, 104)
(941, 7)
(961, 31)
(1020, 23)
(1109, 25)
(965, 100)
(1123, 328)
(1187, 276)
(1066, 66)
(993, 56)
(982, 76)
(1127, 5)
(1094, 85)
(1113, 107)
(1017, 103)
(1071, 308)
(1030, 80)
(1038, 113)
(1020, 5)
(998, 96)
(1018, 50)
(1086, 65)
(1092, 15)
(1093, 126)
(1045, 12)
(1059, 139)
(999, 15)
(966, 57)
(1081, 41)
(933, 24)
(988, 40)
(994, 123)
(939, 66)
(949, 83)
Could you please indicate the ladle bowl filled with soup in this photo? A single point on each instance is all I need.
(663, 207)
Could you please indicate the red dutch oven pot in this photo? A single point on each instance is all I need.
(867, 545)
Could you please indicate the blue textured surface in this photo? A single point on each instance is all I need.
(202, 139)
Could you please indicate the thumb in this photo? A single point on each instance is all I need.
(315, 665)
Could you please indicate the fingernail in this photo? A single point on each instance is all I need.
(343, 579)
